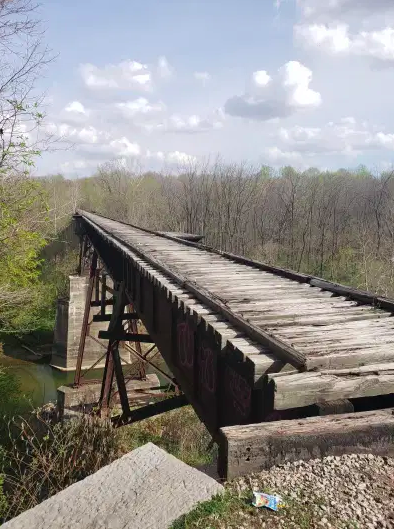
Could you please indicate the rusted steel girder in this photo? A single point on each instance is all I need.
(112, 363)
(122, 314)
(150, 410)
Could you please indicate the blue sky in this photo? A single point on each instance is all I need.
(163, 83)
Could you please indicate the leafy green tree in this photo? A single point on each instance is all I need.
(22, 214)
(23, 203)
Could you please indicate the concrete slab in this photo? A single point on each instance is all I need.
(145, 489)
(68, 397)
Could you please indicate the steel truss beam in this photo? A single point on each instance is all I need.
(149, 411)
(123, 326)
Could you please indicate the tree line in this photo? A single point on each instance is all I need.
(337, 225)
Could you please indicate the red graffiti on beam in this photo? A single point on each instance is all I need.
(185, 345)
(240, 391)
(207, 369)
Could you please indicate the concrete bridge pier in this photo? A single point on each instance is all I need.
(68, 326)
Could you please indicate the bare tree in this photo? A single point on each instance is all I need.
(23, 59)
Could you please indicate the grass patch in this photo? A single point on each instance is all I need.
(234, 510)
(179, 432)
(217, 510)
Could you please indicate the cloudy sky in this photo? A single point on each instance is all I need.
(163, 82)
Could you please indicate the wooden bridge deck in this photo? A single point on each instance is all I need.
(244, 339)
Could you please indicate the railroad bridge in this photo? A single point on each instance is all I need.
(245, 343)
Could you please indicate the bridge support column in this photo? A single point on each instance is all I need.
(69, 319)
(77, 326)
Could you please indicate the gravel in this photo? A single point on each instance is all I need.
(351, 491)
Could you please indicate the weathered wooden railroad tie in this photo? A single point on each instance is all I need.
(248, 343)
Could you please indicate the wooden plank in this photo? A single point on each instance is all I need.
(150, 411)
(349, 358)
(311, 320)
(373, 324)
(335, 407)
(291, 304)
(124, 336)
(106, 302)
(265, 364)
(258, 288)
(252, 448)
(375, 369)
(304, 389)
(323, 345)
(364, 297)
(279, 312)
(288, 299)
(107, 317)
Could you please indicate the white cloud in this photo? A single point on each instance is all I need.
(83, 135)
(334, 39)
(124, 75)
(346, 137)
(177, 157)
(296, 79)
(73, 166)
(315, 8)
(284, 94)
(172, 157)
(279, 157)
(187, 124)
(140, 106)
(95, 142)
(261, 78)
(158, 159)
(123, 147)
(193, 123)
(93, 146)
(203, 77)
(75, 106)
(164, 69)
(89, 135)
(337, 39)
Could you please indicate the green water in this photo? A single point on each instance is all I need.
(39, 382)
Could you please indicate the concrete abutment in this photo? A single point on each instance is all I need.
(68, 325)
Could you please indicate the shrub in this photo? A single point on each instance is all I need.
(3, 500)
(180, 432)
(45, 458)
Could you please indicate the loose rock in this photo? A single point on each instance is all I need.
(351, 491)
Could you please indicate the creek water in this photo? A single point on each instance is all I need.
(38, 381)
